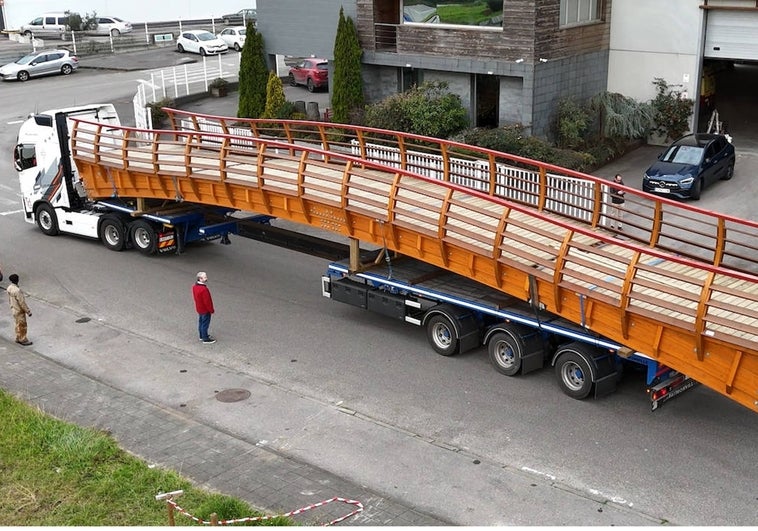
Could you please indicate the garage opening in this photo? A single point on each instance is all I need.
(729, 79)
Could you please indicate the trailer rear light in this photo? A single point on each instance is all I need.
(668, 389)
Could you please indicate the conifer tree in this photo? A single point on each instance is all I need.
(347, 83)
(253, 75)
(275, 99)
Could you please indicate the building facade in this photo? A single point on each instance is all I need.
(513, 61)
(510, 61)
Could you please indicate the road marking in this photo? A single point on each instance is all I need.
(14, 122)
(11, 212)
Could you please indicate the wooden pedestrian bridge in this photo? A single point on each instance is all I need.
(678, 284)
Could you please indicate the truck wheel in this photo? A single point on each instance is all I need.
(46, 220)
(442, 335)
(505, 353)
(144, 236)
(573, 372)
(113, 233)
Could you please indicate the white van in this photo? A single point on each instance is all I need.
(48, 25)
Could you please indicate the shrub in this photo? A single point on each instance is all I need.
(426, 110)
(671, 112)
(571, 124)
(159, 116)
(275, 99)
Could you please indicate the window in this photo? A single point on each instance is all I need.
(579, 11)
(481, 13)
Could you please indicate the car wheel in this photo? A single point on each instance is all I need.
(729, 172)
(310, 85)
(697, 187)
(66, 70)
(115, 32)
(237, 46)
(180, 48)
(27, 33)
(23, 75)
(203, 52)
(293, 83)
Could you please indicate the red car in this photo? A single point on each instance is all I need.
(311, 72)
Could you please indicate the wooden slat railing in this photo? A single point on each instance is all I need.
(656, 221)
(693, 316)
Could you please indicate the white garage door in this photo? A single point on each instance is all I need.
(731, 35)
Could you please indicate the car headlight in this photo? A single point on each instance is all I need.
(687, 180)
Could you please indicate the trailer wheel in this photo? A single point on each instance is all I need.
(47, 220)
(573, 371)
(113, 233)
(505, 353)
(442, 335)
(144, 236)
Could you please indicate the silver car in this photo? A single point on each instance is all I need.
(40, 64)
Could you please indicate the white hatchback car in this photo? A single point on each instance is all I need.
(200, 41)
(234, 37)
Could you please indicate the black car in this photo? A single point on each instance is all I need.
(689, 165)
(241, 17)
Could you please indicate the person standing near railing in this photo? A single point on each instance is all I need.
(617, 199)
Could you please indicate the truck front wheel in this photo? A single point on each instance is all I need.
(442, 335)
(113, 233)
(144, 236)
(47, 221)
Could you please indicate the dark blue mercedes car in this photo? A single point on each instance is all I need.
(689, 165)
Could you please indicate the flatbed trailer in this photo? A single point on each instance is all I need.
(460, 314)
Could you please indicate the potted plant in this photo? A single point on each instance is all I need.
(219, 87)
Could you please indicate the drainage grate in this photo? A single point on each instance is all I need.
(232, 395)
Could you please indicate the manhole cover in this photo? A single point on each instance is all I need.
(232, 395)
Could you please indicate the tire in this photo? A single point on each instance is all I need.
(66, 70)
(180, 48)
(23, 75)
(729, 172)
(237, 47)
(203, 52)
(310, 85)
(113, 233)
(47, 221)
(293, 83)
(696, 189)
(27, 33)
(144, 236)
(442, 335)
(505, 353)
(115, 33)
(573, 372)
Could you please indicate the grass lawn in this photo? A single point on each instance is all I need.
(58, 474)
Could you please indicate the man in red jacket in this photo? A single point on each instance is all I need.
(204, 306)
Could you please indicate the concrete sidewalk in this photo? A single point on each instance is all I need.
(173, 437)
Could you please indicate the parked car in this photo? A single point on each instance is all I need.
(689, 165)
(311, 72)
(240, 17)
(234, 37)
(48, 25)
(40, 64)
(113, 26)
(200, 41)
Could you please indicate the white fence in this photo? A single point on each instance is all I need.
(568, 196)
(182, 80)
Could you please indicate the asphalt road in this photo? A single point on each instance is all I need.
(691, 463)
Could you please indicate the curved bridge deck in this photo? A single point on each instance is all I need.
(517, 225)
